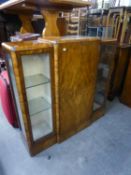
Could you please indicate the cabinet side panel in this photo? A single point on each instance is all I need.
(77, 80)
(21, 97)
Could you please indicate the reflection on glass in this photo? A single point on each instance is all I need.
(38, 105)
(103, 76)
(36, 70)
(35, 80)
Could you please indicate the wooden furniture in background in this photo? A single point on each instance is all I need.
(76, 21)
(105, 68)
(126, 91)
(114, 21)
(55, 100)
(26, 24)
(120, 20)
(24, 12)
(96, 24)
(120, 66)
(125, 31)
(50, 10)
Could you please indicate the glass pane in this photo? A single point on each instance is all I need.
(16, 96)
(41, 124)
(36, 70)
(104, 67)
(37, 105)
(35, 80)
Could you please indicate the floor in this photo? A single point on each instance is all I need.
(104, 148)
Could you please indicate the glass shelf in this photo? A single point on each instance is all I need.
(38, 105)
(41, 124)
(35, 80)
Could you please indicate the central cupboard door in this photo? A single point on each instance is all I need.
(77, 67)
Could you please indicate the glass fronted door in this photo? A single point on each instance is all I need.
(103, 75)
(37, 78)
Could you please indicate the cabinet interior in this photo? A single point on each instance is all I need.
(36, 70)
(103, 76)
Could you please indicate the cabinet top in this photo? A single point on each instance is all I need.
(48, 42)
(26, 45)
(31, 5)
(67, 39)
(44, 43)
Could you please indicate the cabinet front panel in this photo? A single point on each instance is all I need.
(37, 80)
(77, 79)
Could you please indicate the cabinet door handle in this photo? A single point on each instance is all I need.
(64, 49)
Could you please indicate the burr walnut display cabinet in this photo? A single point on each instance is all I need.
(53, 83)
